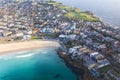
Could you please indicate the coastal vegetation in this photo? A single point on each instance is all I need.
(83, 38)
(75, 13)
(105, 69)
(50, 35)
(115, 73)
(110, 78)
(35, 37)
(53, 3)
(68, 44)
(63, 7)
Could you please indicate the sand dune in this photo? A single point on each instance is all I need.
(27, 45)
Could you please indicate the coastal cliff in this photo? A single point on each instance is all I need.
(79, 69)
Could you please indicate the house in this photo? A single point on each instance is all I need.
(83, 35)
(6, 33)
(30, 32)
(73, 27)
(71, 50)
(11, 25)
(19, 34)
(72, 37)
(102, 47)
(75, 55)
(103, 63)
(26, 37)
(99, 59)
(62, 36)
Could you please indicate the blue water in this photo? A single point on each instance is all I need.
(108, 10)
(42, 64)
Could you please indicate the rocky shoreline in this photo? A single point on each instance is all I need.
(90, 45)
(79, 69)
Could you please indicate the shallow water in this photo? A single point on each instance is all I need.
(43, 64)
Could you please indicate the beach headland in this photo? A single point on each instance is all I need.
(27, 45)
(79, 69)
(88, 43)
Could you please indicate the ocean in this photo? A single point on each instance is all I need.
(40, 64)
(107, 10)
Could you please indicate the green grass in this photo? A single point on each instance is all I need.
(81, 15)
(88, 17)
(116, 74)
(110, 77)
(53, 3)
(50, 35)
(105, 69)
(75, 13)
(65, 7)
(50, 2)
(68, 44)
(35, 38)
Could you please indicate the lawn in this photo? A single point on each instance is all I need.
(105, 69)
(65, 7)
(50, 35)
(75, 13)
(115, 73)
(35, 37)
(81, 15)
(87, 17)
(68, 44)
(53, 3)
(110, 77)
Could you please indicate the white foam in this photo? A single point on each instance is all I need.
(22, 52)
(23, 56)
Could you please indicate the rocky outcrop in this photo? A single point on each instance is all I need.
(79, 69)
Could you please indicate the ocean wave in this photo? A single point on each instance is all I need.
(23, 56)
(21, 52)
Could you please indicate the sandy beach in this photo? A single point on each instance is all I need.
(27, 45)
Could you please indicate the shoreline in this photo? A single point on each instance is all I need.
(80, 70)
(27, 45)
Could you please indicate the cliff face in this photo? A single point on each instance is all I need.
(81, 71)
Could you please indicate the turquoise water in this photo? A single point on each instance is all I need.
(43, 64)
